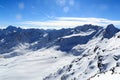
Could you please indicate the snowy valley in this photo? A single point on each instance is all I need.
(85, 52)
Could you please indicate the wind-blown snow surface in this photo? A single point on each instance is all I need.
(95, 59)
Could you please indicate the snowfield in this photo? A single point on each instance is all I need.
(88, 53)
(107, 76)
(33, 65)
(80, 34)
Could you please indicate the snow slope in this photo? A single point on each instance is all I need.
(64, 55)
(96, 52)
(107, 76)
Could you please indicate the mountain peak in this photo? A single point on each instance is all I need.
(110, 31)
(27, 46)
(11, 28)
(111, 26)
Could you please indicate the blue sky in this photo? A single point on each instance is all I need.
(52, 13)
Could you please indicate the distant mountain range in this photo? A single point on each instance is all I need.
(80, 53)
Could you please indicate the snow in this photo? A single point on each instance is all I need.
(2, 40)
(34, 65)
(49, 63)
(107, 76)
(80, 34)
(45, 35)
(34, 43)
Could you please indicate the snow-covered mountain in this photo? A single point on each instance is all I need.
(85, 52)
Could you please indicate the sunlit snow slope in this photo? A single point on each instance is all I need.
(83, 53)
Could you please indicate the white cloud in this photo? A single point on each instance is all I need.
(67, 22)
(95, 21)
(21, 5)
